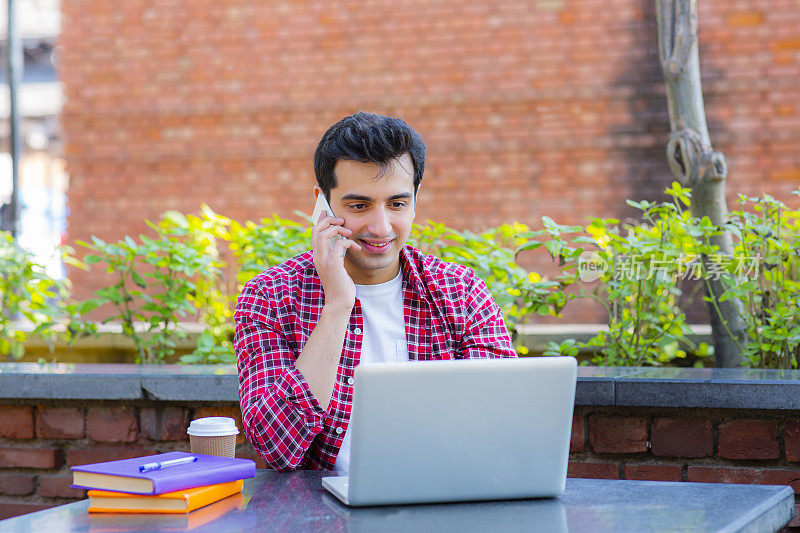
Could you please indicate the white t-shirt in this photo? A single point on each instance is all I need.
(384, 339)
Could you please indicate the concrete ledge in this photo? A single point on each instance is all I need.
(716, 388)
(719, 388)
(118, 382)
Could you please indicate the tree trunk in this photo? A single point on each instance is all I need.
(695, 164)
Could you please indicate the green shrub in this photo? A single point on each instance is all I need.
(643, 284)
(641, 269)
(28, 293)
(212, 295)
(492, 255)
(649, 261)
(250, 248)
(765, 276)
(199, 264)
(154, 284)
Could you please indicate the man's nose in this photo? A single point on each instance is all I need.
(380, 225)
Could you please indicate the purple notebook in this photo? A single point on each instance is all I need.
(124, 475)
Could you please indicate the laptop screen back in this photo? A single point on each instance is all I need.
(461, 430)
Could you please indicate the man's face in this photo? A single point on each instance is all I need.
(379, 210)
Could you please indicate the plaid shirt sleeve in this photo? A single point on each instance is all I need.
(485, 334)
(280, 414)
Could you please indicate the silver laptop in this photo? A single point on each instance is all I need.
(444, 431)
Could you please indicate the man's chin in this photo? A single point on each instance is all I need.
(368, 261)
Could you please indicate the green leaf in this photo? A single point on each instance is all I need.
(176, 218)
(205, 341)
(532, 245)
(88, 306)
(138, 280)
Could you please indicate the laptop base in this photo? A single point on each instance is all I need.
(337, 485)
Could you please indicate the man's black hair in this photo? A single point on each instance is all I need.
(367, 138)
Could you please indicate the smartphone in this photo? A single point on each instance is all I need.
(319, 207)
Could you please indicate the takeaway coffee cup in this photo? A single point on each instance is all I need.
(214, 435)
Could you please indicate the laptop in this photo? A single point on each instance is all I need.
(459, 430)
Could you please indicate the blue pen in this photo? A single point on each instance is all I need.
(164, 464)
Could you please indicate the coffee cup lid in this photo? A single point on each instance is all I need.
(213, 426)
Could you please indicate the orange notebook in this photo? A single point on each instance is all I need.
(180, 501)
(119, 523)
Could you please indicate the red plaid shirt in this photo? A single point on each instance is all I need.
(449, 313)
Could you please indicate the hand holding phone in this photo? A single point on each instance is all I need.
(340, 291)
(320, 207)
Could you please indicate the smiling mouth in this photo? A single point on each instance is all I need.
(376, 246)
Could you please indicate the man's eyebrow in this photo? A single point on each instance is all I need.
(401, 196)
(362, 198)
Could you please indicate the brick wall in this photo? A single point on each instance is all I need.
(40, 441)
(699, 445)
(528, 108)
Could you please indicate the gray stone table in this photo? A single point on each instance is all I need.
(296, 502)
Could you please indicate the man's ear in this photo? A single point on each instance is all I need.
(419, 188)
(317, 191)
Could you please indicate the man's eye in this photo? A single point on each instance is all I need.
(357, 207)
(398, 205)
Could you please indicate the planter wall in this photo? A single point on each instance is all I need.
(705, 425)
(111, 346)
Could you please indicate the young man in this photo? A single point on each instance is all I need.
(303, 326)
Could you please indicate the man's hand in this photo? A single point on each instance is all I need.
(319, 359)
(339, 289)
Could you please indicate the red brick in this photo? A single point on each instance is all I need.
(163, 423)
(231, 412)
(7, 510)
(59, 487)
(30, 457)
(795, 522)
(746, 18)
(792, 440)
(59, 423)
(593, 470)
(653, 472)
(713, 474)
(749, 476)
(609, 434)
(781, 476)
(748, 439)
(85, 456)
(17, 484)
(112, 424)
(16, 421)
(682, 437)
(577, 439)
(792, 175)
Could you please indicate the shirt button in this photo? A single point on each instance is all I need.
(338, 431)
(357, 331)
(350, 381)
